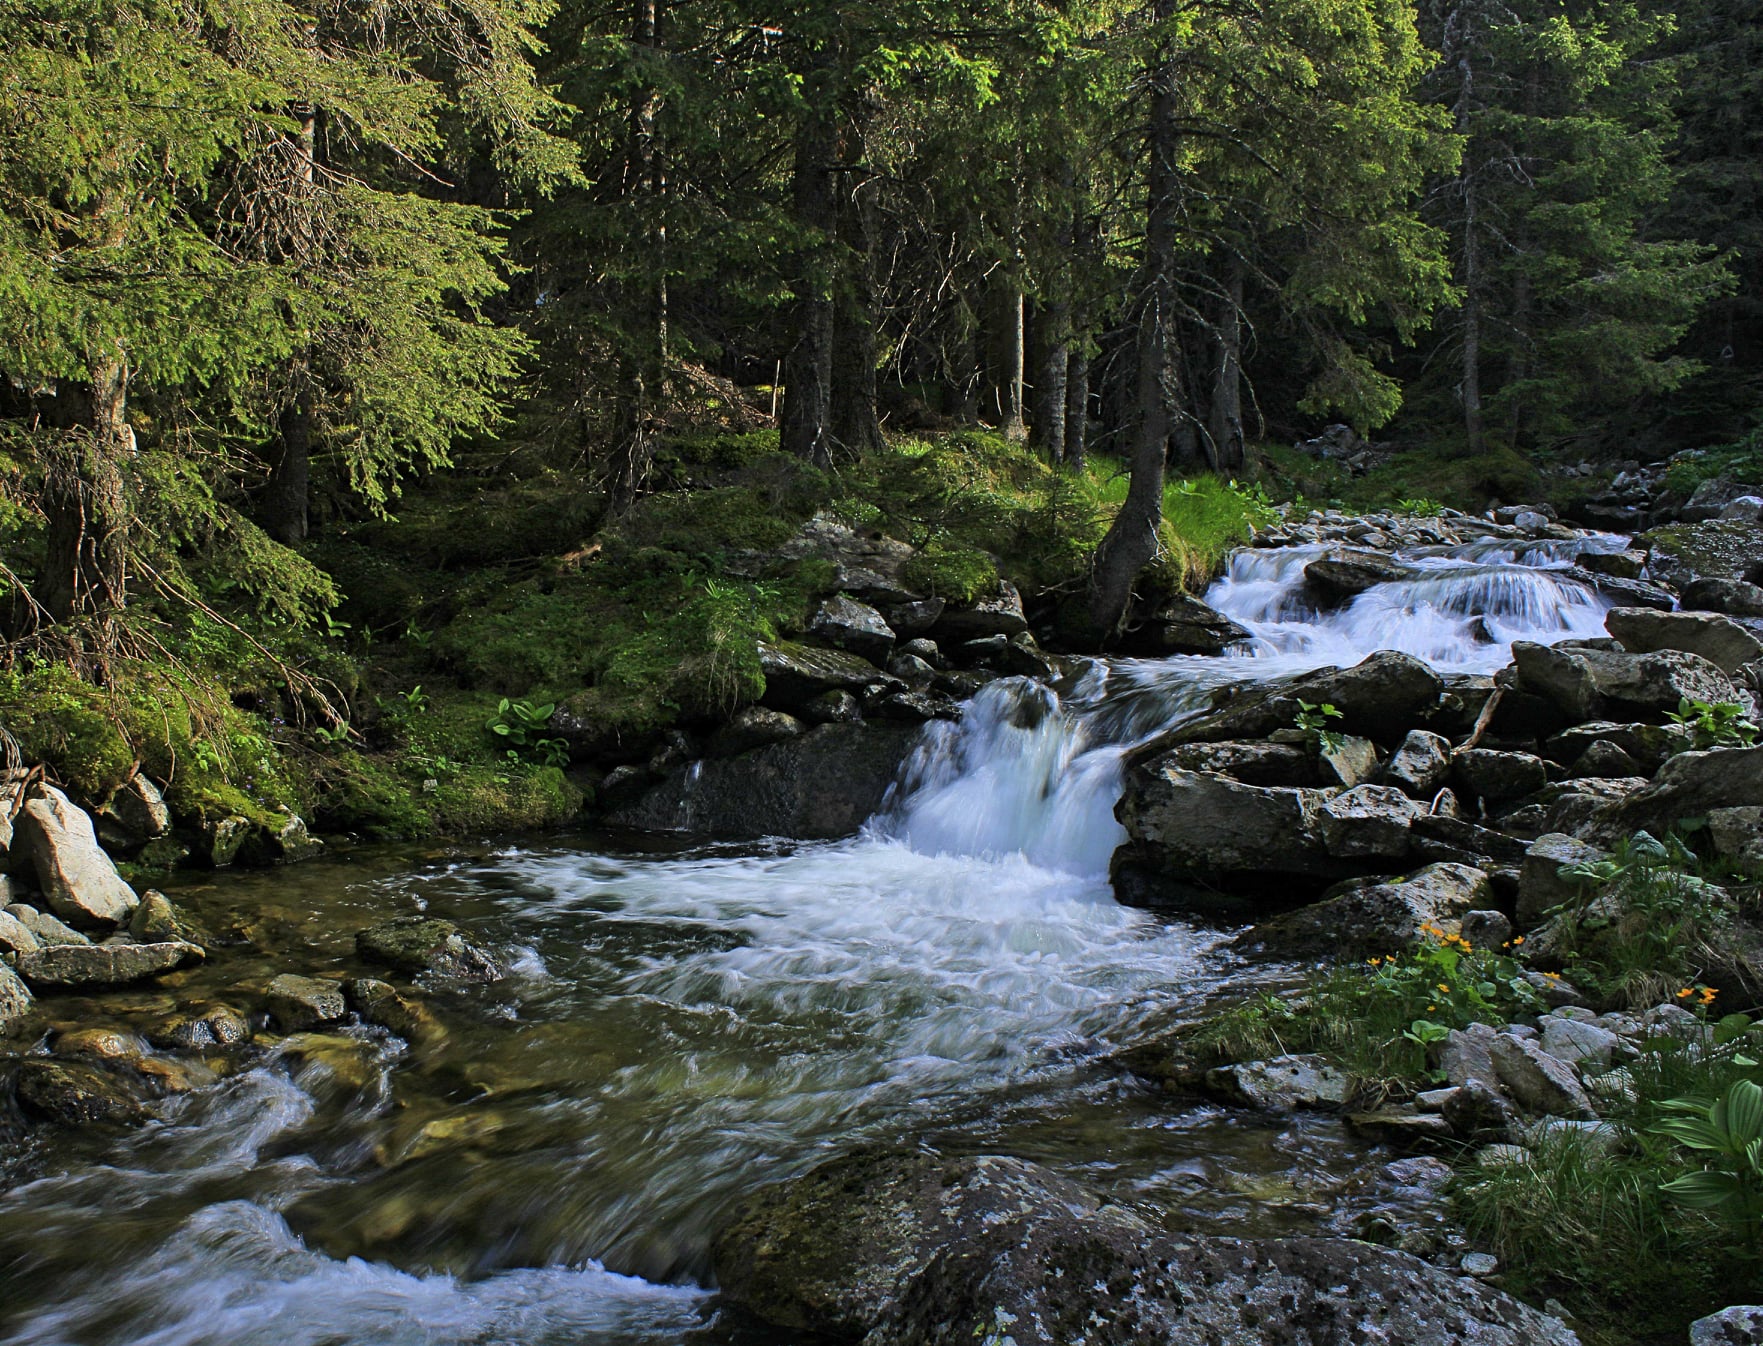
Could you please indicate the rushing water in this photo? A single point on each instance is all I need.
(683, 1026)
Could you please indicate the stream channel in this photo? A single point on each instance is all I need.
(683, 1025)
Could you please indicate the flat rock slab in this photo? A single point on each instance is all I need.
(919, 1249)
(76, 966)
(299, 1003)
(416, 945)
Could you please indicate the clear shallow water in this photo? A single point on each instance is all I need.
(682, 1027)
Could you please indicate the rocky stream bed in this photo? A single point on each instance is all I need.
(905, 1075)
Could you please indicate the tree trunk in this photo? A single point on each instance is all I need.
(1131, 542)
(1055, 365)
(85, 568)
(284, 503)
(1077, 404)
(1470, 387)
(808, 368)
(1229, 452)
(642, 365)
(856, 428)
(1012, 360)
(283, 506)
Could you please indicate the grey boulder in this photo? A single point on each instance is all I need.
(854, 626)
(75, 966)
(1719, 640)
(79, 882)
(418, 945)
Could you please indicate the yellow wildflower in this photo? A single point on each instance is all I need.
(1444, 988)
(1686, 993)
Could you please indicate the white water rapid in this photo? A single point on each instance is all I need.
(685, 1027)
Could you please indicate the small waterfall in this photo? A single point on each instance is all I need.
(1035, 772)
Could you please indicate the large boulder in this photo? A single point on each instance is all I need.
(822, 784)
(1484, 773)
(77, 1094)
(1181, 624)
(796, 674)
(1419, 766)
(136, 814)
(854, 626)
(1372, 919)
(1192, 828)
(930, 1251)
(1583, 683)
(1339, 576)
(995, 614)
(1680, 554)
(1541, 884)
(1735, 598)
(1719, 640)
(55, 837)
(15, 999)
(1368, 821)
(1282, 1083)
(1690, 785)
(1250, 763)
(1646, 745)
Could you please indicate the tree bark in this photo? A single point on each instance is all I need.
(856, 427)
(808, 368)
(283, 506)
(85, 505)
(1229, 451)
(642, 366)
(1131, 541)
(1470, 387)
(1077, 404)
(1012, 359)
(1055, 366)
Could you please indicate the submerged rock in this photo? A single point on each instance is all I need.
(1282, 1083)
(301, 1003)
(74, 1094)
(1340, 576)
(938, 1252)
(419, 945)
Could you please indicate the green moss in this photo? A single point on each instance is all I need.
(959, 576)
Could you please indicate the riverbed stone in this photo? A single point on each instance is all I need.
(1737, 835)
(1734, 597)
(159, 920)
(1419, 766)
(997, 613)
(1282, 1083)
(1251, 763)
(80, 884)
(1719, 640)
(753, 727)
(1347, 759)
(74, 966)
(1486, 773)
(823, 784)
(915, 672)
(795, 674)
(854, 626)
(1740, 1325)
(1537, 1081)
(298, 1003)
(382, 1004)
(1487, 929)
(1541, 884)
(419, 945)
(1369, 821)
(936, 1251)
(73, 1094)
(1649, 745)
(134, 815)
(1477, 1109)
(1578, 1042)
(1690, 785)
(1341, 576)
(44, 926)
(1366, 918)
(200, 1028)
(16, 936)
(16, 1000)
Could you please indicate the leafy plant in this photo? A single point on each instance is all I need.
(1719, 724)
(1421, 508)
(1729, 1132)
(520, 722)
(333, 735)
(1312, 721)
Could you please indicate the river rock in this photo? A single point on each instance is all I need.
(70, 966)
(1495, 776)
(796, 674)
(1367, 821)
(908, 707)
(45, 927)
(1623, 565)
(916, 618)
(1191, 827)
(1541, 884)
(1648, 745)
(1578, 1042)
(753, 727)
(1737, 835)
(298, 1004)
(427, 945)
(55, 837)
(1583, 683)
(158, 920)
(1719, 640)
(999, 613)
(1537, 1081)
(1740, 1325)
(200, 1028)
(1486, 929)
(1022, 657)
(1367, 918)
(931, 1251)
(1282, 1083)
(74, 1094)
(854, 626)
(915, 672)
(1347, 759)
(16, 936)
(1340, 576)
(1718, 549)
(1603, 759)
(1477, 1109)
(822, 784)
(1573, 806)
(286, 841)
(134, 815)
(1690, 785)
(1180, 624)
(1734, 597)
(381, 1004)
(1419, 766)
(1254, 763)
(831, 707)
(1466, 1055)
(16, 999)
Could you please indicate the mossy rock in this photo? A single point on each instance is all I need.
(1719, 549)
